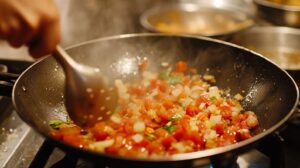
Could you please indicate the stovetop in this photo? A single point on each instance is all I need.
(20, 146)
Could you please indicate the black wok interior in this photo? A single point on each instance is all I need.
(268, 90)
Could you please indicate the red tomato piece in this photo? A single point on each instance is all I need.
(192, 110)
(137, 90)
(168, 104)
(203, 99)
(181, 66)
(164, 116)
(112, 150)
(75, 140)
(100, 135)
(168, 141)
(219, 128)
(243, 134)
(196, 137)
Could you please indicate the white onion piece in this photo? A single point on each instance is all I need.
(139, 126)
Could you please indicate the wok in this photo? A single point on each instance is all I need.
(38, 94)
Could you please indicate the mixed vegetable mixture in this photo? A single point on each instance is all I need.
(174, 111)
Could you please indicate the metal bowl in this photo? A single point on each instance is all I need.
(206, 19)
(279, 44)
(278, 13)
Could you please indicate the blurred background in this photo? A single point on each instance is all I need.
(90, 19)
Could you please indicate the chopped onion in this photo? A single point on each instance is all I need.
(193, 125)
(181, 147)
(177, 91)
(215, 119)
(137, 138)
(101, 145)
(214, 92)
(115, 119)
(187, 90)
(139, 126)
(212, 108)
(238, 97)
(210, 134)
(122, 89)
(201, 106)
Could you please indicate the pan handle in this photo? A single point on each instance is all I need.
(9, 73)
(7, 81)
(6, 88)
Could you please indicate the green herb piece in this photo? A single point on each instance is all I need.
(56, 123)
(164, 74)
(175, 117)
(150, 137)
(213, 98)
(175, 79)
(169, 128)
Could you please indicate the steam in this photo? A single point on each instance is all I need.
(90, 19)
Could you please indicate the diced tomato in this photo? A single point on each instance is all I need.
(230, 135)
(193, 71)
(168, 104)
(128, 128)
(112, 150)
(224, 108)
(56, 134)
(160, 132)
(243, 134)
(161, 85)
(153, 83)
(230, 102)
(74, 140)
(182, 95)
(164, 116)
(151, 124)
(179, 134)
(203, 99)
(100, 135)
(226, 114)
(141, 144)
(181, 66)
(154, 147)
(192, 110)
(196, 137)
(185, 123)
(142, 66)
(149, 104)
(168, 141)
(219, 127)
(137, 90)
(186, 80)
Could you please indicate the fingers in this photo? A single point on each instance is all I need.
(29, 29)
(46, 40)
(33, 23)
(17, 32)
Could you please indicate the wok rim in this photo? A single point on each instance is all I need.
(177, 157)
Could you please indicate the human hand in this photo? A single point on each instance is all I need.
(34, 23)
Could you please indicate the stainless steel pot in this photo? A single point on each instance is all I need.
(279, 44)
(278, 14)
(206, 18)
